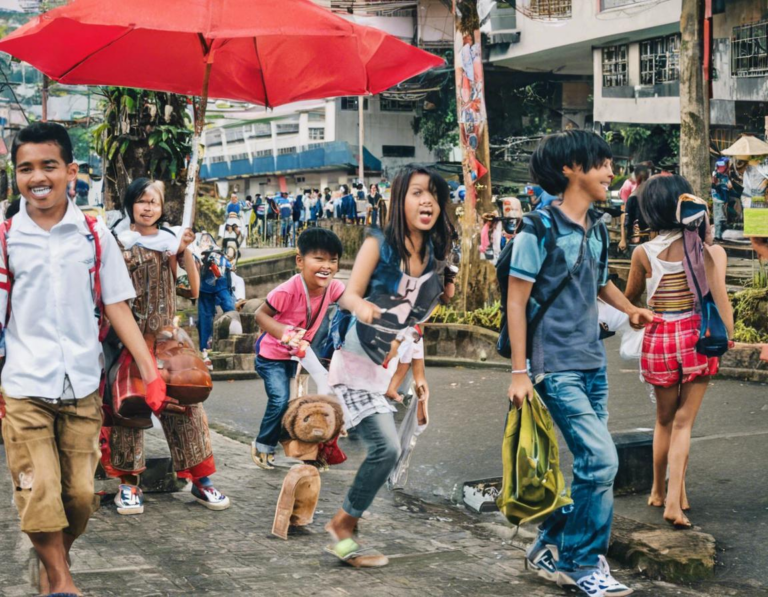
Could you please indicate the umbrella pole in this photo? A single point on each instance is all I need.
(190, 196)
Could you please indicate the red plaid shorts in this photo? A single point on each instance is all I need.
(669, 353)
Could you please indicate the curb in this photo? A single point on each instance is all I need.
(467, 363)
(233, 375)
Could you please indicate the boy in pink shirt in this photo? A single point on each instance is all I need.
(289, 319)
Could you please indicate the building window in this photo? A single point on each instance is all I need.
(286, 150)
(217, 159)
(749, 49)
(350, 103)
(287, 128)
(263, 153)
(262, 130)
(240, 156)
(398, 151)
(315, 145)
(550, 9)
(234, 135)
(660, 60)
(393, 105)
(615, 66)
(316, 134)
(609, 4)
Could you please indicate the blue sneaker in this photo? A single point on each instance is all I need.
(543, 559)
(129, 500)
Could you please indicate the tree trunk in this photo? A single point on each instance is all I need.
(694, 100)
(477, 282)
(135, 122)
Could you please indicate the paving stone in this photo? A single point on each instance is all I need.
(177, 547)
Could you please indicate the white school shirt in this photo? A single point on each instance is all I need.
(53, 333)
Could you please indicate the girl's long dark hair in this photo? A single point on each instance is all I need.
(397, 231)
(658, 201)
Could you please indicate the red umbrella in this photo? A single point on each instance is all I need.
(268, 52)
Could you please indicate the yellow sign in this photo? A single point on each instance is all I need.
(756, 221)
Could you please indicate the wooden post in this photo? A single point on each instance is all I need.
(694, 116)
(476, 277)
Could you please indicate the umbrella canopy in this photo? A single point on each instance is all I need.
(747, 145)
(267, 52)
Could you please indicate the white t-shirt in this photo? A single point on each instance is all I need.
(53, 334)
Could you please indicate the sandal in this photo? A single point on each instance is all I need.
(354, 555)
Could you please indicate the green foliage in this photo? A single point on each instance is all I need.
(208, 214)
(750, 309)
(659, 143)
(135, 119)
(489, 317)
(438, 127)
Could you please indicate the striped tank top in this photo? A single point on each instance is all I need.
(672, 295)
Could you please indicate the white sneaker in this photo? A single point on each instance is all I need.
(600, 583)
(210, 497)
(129, 500)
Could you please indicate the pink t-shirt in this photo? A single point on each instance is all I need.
(627, 189)
(289, 301)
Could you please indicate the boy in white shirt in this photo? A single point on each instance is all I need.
(53, 358)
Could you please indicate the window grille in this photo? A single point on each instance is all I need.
(262, 130)
(316, 134)
(550, 9)
(288, 128)
(350, 103)
(234, 135)
(390, 105)
(660, 60)
(749, 50)
(615, 66)
(286, 150)
(263, 153)
(240, 156)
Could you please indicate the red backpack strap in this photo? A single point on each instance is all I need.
(6, 277)
(91, 221)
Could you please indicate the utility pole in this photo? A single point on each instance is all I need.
(476, 277)
(694, 97)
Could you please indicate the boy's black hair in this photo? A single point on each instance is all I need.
(133, 193)
(658, 201)
(318, 239)
(571, 149)
(397, 230)
(44, 132)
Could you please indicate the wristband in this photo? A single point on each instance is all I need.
(516, 371)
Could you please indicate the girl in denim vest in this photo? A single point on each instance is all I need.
(396, 282)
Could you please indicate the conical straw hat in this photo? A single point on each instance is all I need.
(747, 145)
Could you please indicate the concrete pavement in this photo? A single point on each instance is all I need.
(177, 547)
(467, 410)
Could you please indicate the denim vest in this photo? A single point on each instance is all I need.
(405, 301)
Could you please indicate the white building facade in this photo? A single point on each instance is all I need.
(629, 53)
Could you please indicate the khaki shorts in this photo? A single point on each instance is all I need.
(52, 452)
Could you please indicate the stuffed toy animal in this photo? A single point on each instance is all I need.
(314, 419)
(298, 499)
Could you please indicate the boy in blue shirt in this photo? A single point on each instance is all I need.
(572, 379)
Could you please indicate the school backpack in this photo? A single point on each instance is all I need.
(545, 227)
(7, 276)
(542, 223)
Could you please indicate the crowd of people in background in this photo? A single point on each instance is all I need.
(278, 220)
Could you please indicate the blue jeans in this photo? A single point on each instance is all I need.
(379, 434)
(206, 311)
(719, 211)
(277, 382)
(578, 403)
